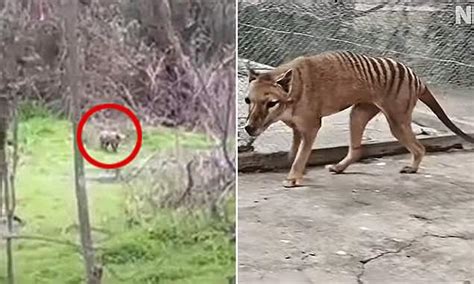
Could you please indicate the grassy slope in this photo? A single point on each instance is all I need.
(172, 249)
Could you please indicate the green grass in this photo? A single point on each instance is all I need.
(154, 139)
(170, 249)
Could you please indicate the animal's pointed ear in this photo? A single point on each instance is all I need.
(285, 80)
(253, 75)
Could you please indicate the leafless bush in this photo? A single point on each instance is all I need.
(195, 181)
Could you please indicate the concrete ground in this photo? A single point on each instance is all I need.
(370, 225)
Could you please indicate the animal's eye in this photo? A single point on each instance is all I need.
(271, 104)
(247, 100)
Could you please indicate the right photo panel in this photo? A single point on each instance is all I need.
(355, 142)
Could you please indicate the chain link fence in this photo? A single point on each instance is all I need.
(422, 34)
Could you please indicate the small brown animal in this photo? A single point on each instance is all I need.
(308, 88)
(110, 138)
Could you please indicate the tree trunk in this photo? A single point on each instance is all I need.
(8, 75)
(4, 116)
(93, 272)
(157, 18)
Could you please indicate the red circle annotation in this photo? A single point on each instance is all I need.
(80, 129)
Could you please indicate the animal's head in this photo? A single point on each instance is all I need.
(268, 99)
(120, 136)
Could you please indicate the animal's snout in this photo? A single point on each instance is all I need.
(250, 129)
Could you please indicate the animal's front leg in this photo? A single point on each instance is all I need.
(295, 145)
(297, 169)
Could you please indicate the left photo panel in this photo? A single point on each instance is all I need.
(117, 141)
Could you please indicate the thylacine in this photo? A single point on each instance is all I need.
(308, 88)
(110, 138)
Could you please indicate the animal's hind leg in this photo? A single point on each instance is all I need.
(401, 129)
(361, 114)
(114, 146)
(106, 146)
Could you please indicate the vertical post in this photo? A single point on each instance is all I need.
(3, 146)
(9, 75)
(14, 117)
(4, 183)
(93, 273)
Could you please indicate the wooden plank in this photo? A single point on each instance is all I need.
(259, 162)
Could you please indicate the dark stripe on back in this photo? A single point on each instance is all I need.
(384, 70)
(417, 84)
(401, 76)
(339, 58)
(357, 64)
(410, 76)
(374, 64)
(392, 75)
(347, 59)
(368, 68)
(363, 72)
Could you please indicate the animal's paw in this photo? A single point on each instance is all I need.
(334, 169)
(292, 182)
(408, 170)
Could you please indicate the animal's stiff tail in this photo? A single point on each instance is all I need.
(428, 99)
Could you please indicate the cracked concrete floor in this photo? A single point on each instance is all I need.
(370, 225)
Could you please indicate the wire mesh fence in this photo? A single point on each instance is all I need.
(422, 34)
